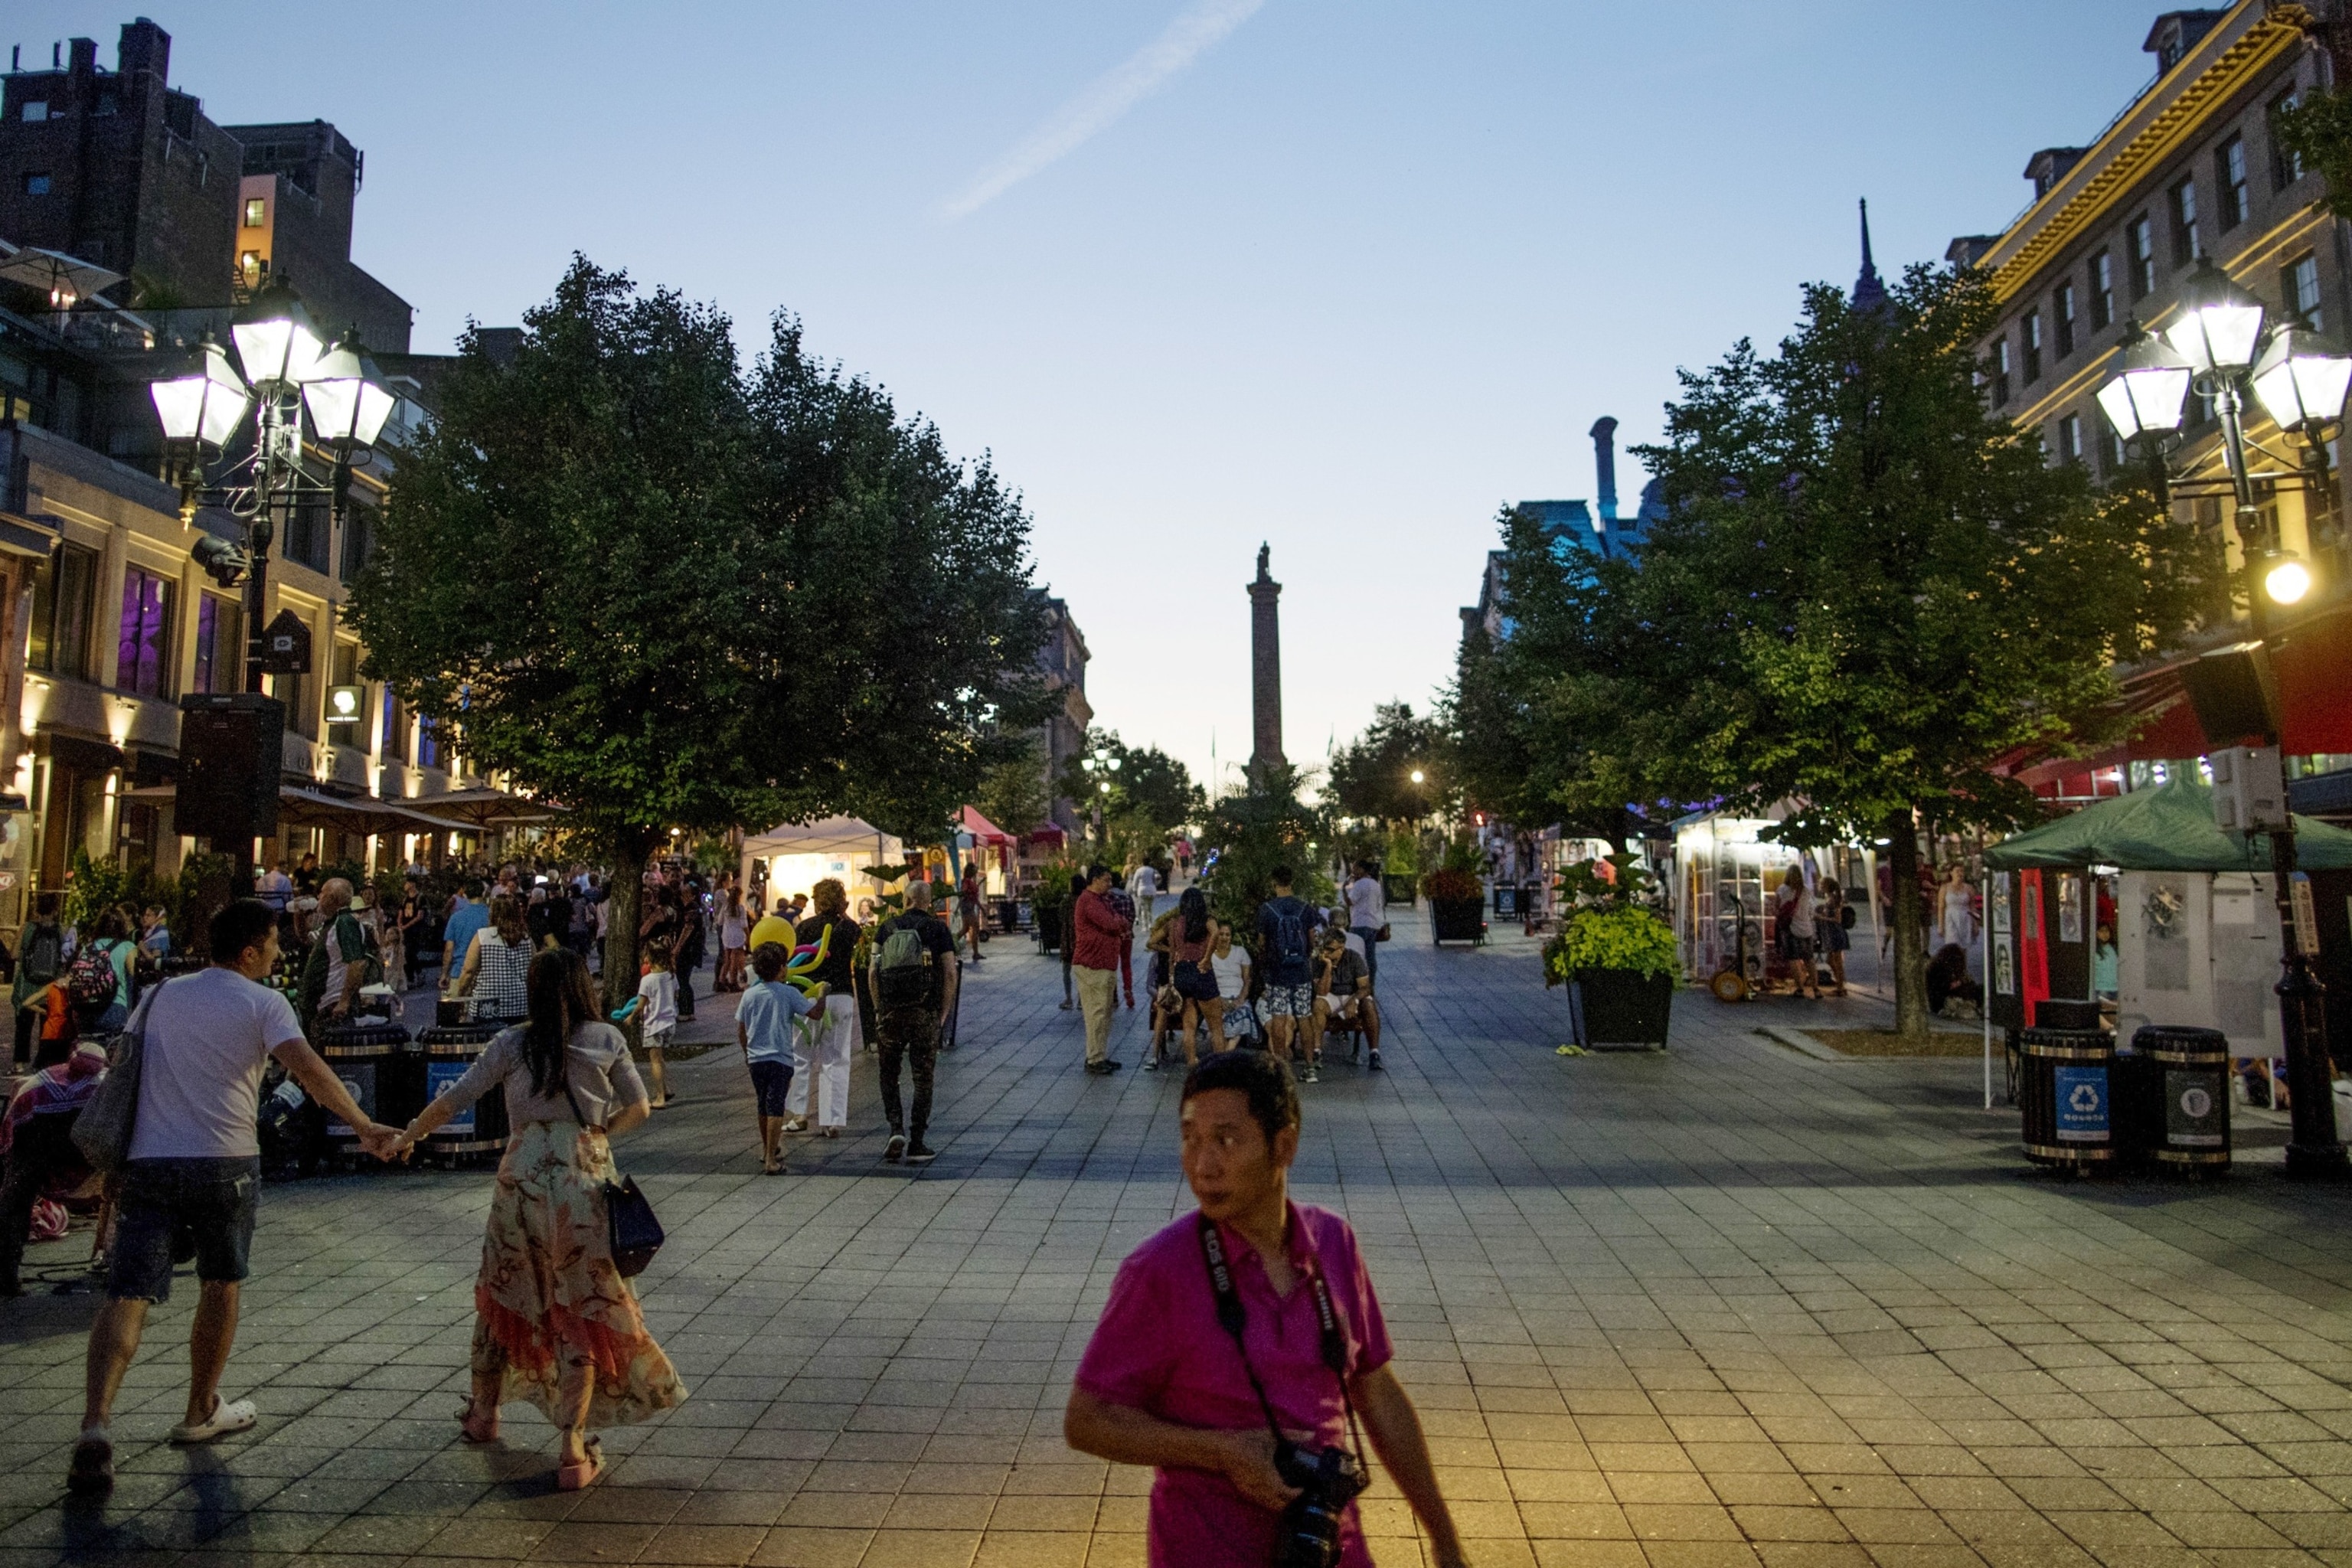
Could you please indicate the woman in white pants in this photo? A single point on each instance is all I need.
(820, 1091)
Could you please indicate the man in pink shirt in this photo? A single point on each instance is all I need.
(1099, 938)
(1164, 1383)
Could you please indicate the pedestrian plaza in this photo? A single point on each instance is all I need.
(1722, 1306)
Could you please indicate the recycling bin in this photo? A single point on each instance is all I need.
(381, 1071)
(2185, 1096)
(479, 1132)
(2065, 1093)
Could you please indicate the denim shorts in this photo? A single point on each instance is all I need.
(209, 1203)
(772, 1081)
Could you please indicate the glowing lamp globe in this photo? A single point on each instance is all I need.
(344, 405)
(2302, 378)
(207, 404)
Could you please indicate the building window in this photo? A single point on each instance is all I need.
(359, 540)
(288, 690)
(2186, 247)
(2103, 291)
(220, 651)
(2000, 372)
(2286, 167)
(2302, 278)
(308, 525)
(2061, 310)
(428, 743)
(37, 185)
(59, 640)
(2032, 333)
(2070, 438)
(395, 729)
(2111, 449)
(2141, 235)
(35, 111)
(2230, 164)
(142, 659)
(256, 210)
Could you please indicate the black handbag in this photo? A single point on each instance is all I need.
(635, 1234)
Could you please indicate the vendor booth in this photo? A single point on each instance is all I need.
(796, 856)
(2196, 927)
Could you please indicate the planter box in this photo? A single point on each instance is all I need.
(1619, 1008)
(1400, 890)
(1457, 920)
(1049, 928)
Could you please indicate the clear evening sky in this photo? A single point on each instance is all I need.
(1340, 277)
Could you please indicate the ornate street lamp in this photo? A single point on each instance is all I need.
(2219, 349)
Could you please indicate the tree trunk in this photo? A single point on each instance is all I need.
(630, 848)
(1910, 942)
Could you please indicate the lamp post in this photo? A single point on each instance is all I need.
(1103, 762)
(282, 371)
(2219, 348)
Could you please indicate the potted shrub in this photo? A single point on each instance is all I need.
(1400, 873)
(1049, 907)
(1616, 955)
(1457, 905)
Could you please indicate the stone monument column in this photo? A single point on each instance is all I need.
(1265, 670)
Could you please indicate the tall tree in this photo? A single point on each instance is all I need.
(666, 594)
(1371, 775)
(1013, 793)
(1867, 592)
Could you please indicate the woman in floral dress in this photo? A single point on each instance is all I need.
(554, 1323)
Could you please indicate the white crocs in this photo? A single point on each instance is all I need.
(227, 1416)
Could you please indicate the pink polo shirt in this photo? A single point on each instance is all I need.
(1159, 1349)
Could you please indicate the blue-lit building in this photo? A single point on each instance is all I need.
(1578, 525)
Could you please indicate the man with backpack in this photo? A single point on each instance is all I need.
(915, 978)
(1286, 947)
(40, 960)
(339, 962)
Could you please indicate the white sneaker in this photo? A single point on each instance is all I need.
(797, 1124)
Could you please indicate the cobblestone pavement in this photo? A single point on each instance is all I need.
(1728, 1305)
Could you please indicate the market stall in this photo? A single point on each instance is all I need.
(2196, 927)
(796, 857)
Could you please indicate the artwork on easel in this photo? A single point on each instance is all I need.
(2004, 970)
(2070, 907)
(2000, 926)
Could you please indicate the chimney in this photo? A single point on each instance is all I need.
(81, 56)
(144, 47)
(1605, 463)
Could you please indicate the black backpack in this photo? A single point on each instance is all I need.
(1289, 942)
(43, 953)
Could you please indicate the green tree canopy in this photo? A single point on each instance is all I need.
(1371, 776)
(1867, 592)
(1253, 833)
(666, 594)
(1148, 786)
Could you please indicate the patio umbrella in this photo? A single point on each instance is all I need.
(65, 278)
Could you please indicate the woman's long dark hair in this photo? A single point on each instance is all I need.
(1194, 906)
(560, 1001)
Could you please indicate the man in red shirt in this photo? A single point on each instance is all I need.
(1165, 1383)
(1098, 938)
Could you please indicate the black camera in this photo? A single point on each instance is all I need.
(1327, 1480)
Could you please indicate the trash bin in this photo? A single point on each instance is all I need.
(2184, 1095)
(2065, 1094)
(381, 1071)
(479, 1130)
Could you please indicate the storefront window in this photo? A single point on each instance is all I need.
(59, 641)
(220, 657)
(144, 651)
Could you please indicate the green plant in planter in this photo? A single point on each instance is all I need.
(1449, 884)
(1613, 922)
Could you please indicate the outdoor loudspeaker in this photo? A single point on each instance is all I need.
(2235, 694)
(232, 748)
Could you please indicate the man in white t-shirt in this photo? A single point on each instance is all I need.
(194, 1169)
(1144, 887)
(1368, 911)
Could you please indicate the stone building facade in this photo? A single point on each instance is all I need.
(2190, 170)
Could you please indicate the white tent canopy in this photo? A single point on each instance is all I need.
(800, 854)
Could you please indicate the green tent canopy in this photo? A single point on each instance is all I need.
(2165, 829)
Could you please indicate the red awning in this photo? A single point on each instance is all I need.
(1046, 834)
(982, 830)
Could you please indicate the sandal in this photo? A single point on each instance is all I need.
(472, 1431)
(580, 1476)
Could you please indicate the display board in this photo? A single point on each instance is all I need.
(2039, 938)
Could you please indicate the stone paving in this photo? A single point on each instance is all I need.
(1728, 1305)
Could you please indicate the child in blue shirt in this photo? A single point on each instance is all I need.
(763, 1027)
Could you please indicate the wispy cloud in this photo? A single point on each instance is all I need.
(1195, 29)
